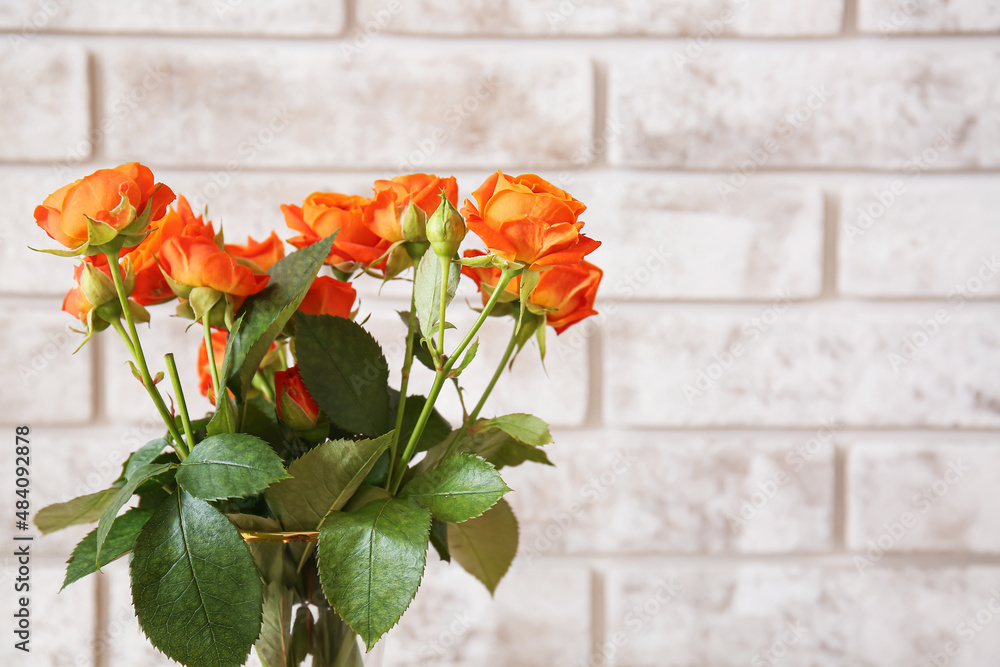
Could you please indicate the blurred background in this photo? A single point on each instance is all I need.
(777, 443)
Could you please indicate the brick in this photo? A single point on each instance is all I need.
(48, 384)
(62, 623)
(801, 367)
(646, 494)
(23, 271)
(904, 239)
(731, 615)
(683, 239)
(558, 392)
(203, 107)
(838, 106)
(169, 17)
(125, 400)
(601, 17)
(453, 620)
(45, 108)
(891, 17)
(922, 497)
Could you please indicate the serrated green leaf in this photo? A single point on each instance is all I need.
(371, 563)
(323, 480)
(344, 370)
(108, 517)
(427, 291)
(486, 546)
(120, 541)
(195, 587)
(145, 455)
(466, 360)
(501, 449)
(276, 628)
(230, 465)
(266, 313)
(529, 429)
(439, 539)
(461, 488)
(82, 509)
(224, 419)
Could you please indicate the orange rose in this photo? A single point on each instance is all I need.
(564, 293)
(195, 261)
(296, 406)
(204, 366)
(527, 219)
(259, 256)
(393, 196)
(329, 296)
(63, 215)
(324, 213)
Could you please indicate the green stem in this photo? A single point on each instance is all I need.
(404, 381)
(211, 356)
(471, 419)
(445, 273)
(442, 374)
(139, 357)
(261, 384)
(181, 403)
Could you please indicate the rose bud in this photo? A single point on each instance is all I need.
(445, 230)
(296, 408)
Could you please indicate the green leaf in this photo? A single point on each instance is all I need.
(276, 629)
(267, 312)
(529, 429)
(231, 465)
(466, 360)
(139, 476)
(439, 539)
(195, 587)
(345, 372)
(323, 480)
(501, 449)
(486, 546)
(119, 542)
(371, 563)
(427, 291)
(436, 429)
(145, 455)
(82, 509)
(420, 349)
(461, 488)
(224, 419)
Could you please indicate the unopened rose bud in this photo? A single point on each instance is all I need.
(446, 229)
(98, 286)
(413, 222)
(296, 408)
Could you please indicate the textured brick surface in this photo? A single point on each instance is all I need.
(45, 107)
(922, 497)
(242, 17)
(893, 17)
(627, 494)
(803, 616)
(602, 17)
(204, 106)
(747, 111)
(906, 239)
(872, 366)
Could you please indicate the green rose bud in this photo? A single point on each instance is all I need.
(446, 229)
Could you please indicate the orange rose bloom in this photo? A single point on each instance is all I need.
(565, 292)
(329, 296)
(324, 213)
(204, 366)
(259, 255)
(63, 215)
(195, 261)
(393, 196)
(295, 405)
(527, 219)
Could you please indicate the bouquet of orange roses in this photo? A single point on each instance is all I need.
(297, 516)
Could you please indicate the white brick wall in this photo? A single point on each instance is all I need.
(787, 412)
